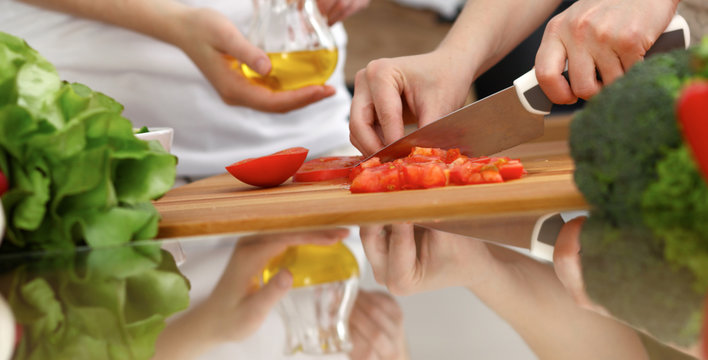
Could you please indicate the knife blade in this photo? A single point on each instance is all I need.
(507, 118)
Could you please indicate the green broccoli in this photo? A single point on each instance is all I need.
(623, 131)
(645, 247)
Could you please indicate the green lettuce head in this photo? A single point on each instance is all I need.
(78, 175)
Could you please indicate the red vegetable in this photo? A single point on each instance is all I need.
(326, 168)
(4, 184)
(692, 108)
(271, 170)
(430, 167)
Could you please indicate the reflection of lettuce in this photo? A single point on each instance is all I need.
(104, 304)
(77, 172)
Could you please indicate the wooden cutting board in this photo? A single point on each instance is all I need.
(222, 204)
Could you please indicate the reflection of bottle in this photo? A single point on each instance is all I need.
(297, 40)
(316, 311)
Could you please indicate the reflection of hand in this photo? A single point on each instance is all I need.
(336, 10)
(213, 42)
(388, 90)
(521, 290)
(237, 307)
(376, 327)
(408, 264)
(606, 35)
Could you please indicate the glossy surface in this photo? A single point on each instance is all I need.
(445, 285)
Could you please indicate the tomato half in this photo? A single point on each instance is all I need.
(326, 168)
(692, 109)
(270, 170)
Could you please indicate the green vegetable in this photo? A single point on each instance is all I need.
(624, 271)
(675, 207)
(102, 304)
(142, 130)
(645, 246)
(619, 136)
(77, 173)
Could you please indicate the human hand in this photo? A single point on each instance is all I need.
(337, 10)
(376, 327)
(606, 35)
(214, 44)
(389, 92)
(238, 293)
(409, 260)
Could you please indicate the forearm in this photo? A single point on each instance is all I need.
(529, 296)
(155, 18)
(487, 30)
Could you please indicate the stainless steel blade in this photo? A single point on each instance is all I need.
(484, 127)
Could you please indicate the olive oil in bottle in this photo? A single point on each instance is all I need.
(296, 69)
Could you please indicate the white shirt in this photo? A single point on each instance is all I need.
(160, 86)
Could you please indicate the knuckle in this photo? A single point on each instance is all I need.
(585, 91)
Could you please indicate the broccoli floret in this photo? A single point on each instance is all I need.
(675, 208)
(623, 131)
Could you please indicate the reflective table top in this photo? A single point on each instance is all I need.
(517, 281)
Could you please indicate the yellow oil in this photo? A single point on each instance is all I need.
(293, 70)
(314, 264)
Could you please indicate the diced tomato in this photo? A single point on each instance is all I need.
(421, 159)
(426, 168)
(373, 162)
(491, 176)
(424, 176)
(512, 169)
(377, 179)
(465, 172)
(326, 168)
(270, 170)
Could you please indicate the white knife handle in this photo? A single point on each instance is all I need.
(676, 35)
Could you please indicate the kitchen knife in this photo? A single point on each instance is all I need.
(507, 118)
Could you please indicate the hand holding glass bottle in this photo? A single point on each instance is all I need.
(298, 42)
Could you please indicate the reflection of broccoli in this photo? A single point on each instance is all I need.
(628, 275)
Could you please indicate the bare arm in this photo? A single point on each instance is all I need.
(210, 40)
(430, 85)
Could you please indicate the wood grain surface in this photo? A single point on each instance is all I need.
(222, 204)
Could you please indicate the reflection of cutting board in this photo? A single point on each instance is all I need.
(221, 204)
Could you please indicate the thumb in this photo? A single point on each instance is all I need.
(260, 303)
(240, 48)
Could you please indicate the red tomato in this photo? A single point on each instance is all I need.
(18, 334)
(466, 172)
(326, 168)
(271, 170)
(424, 176)
(513, 169)
(692, 109)
(4, 184)
(430, 167)
(377, 179)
